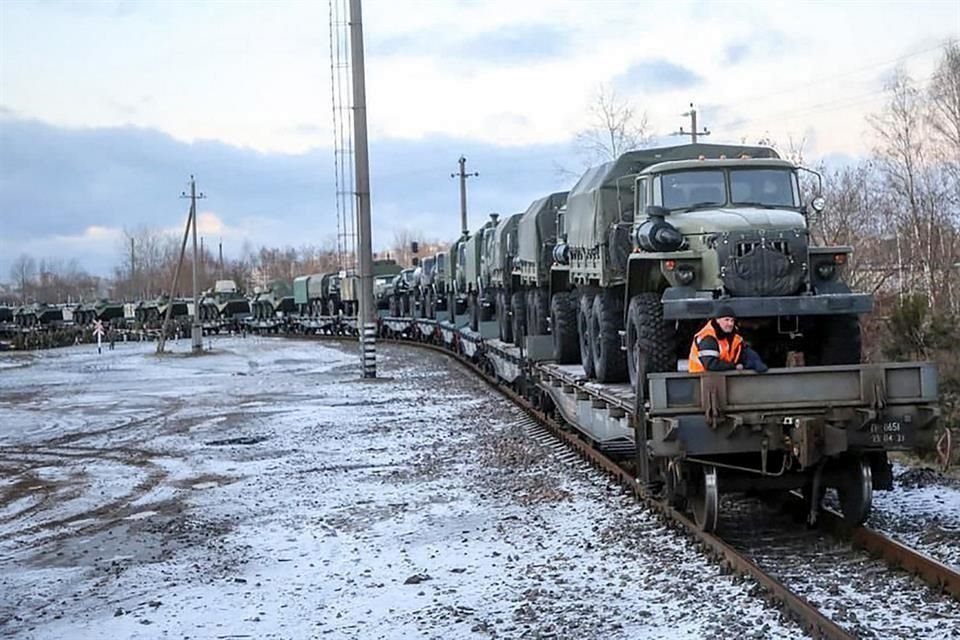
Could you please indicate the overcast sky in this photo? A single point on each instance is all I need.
(106, 108)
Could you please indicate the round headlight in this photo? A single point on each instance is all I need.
(685, 274)
(819, 204)
(826, 270)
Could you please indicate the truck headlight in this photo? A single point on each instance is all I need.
(826, 270)
(685, 274)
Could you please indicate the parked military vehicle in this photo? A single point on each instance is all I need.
(401, 295)
(6, 314)
(232, 306)
(38, 315)
(437, 294)
(536, 238)
(498, 259)
(382, 290)
(658, 240)
(151, 313)
(454, 278)
(424, 275)
(318, 294)
(103, 310)
(274, 303)
(481, 304)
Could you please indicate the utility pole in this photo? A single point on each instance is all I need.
(221, 258)
(196, 330)
(463, 192)
(693, 133)
(366, 320)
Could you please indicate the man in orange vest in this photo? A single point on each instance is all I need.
(719, 347)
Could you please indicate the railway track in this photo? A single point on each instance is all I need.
(932, 594)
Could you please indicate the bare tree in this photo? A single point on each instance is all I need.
(23, 272)
(614, 126)
(944, 102)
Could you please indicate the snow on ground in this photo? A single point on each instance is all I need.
(922, 511)
(265, 491)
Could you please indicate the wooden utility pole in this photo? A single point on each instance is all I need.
(463, 175)
(366, 319)
(693, 133)
(196, 329)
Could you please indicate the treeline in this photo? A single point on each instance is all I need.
(148, 264)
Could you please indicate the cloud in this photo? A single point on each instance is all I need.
(511, 45)
(70, 193)
(762, 44)
(655, 76)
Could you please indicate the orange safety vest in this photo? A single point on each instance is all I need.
(729, 349)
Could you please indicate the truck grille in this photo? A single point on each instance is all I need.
(762, 263)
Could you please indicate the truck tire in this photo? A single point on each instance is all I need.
(836, 340)
(651, 341)
(538, 310)
(519, 319)
(503, 317)
(609, 360)
(473, 308)
(584, 322)
(563, 312)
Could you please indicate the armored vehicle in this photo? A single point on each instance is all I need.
(274, 303)
(498, 259)
(232, 306)
(103, 310)
(38, 314)
(481, 306)
(658, 240)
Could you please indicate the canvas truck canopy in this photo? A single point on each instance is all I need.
(301, 289)
(604, 193)
(537, 231)
(503, 248)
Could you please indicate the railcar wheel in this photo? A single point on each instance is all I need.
(856, 493)
(672, 482)
(704, 499)
(587, 337)
(563, 312)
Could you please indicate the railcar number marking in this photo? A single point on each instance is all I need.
(887, 433)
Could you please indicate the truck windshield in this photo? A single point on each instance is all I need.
(763, 187)
(693, 189)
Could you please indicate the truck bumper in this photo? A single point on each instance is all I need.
(680, 303)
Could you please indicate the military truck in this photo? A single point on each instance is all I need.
(498, 259)
(536, 238)
(454, 280)
(424, 275)
(658, 240)
(401, 296)
(317, 294)
(481, 304)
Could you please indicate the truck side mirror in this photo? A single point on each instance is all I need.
(414, 247)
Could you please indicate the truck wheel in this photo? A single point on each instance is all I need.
(563, 312)
(836, 340)
(651, 342)
(609, 360)
(519, 320)
(587, 338)
(473, 308)
(503, 317)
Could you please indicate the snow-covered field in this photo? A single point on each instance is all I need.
(264, 491)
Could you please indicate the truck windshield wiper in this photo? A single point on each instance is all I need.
(701, 205)
(761, 205)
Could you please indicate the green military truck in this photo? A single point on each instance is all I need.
(657, 240)
(501, 249)
(480, 305)
(536, 239)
